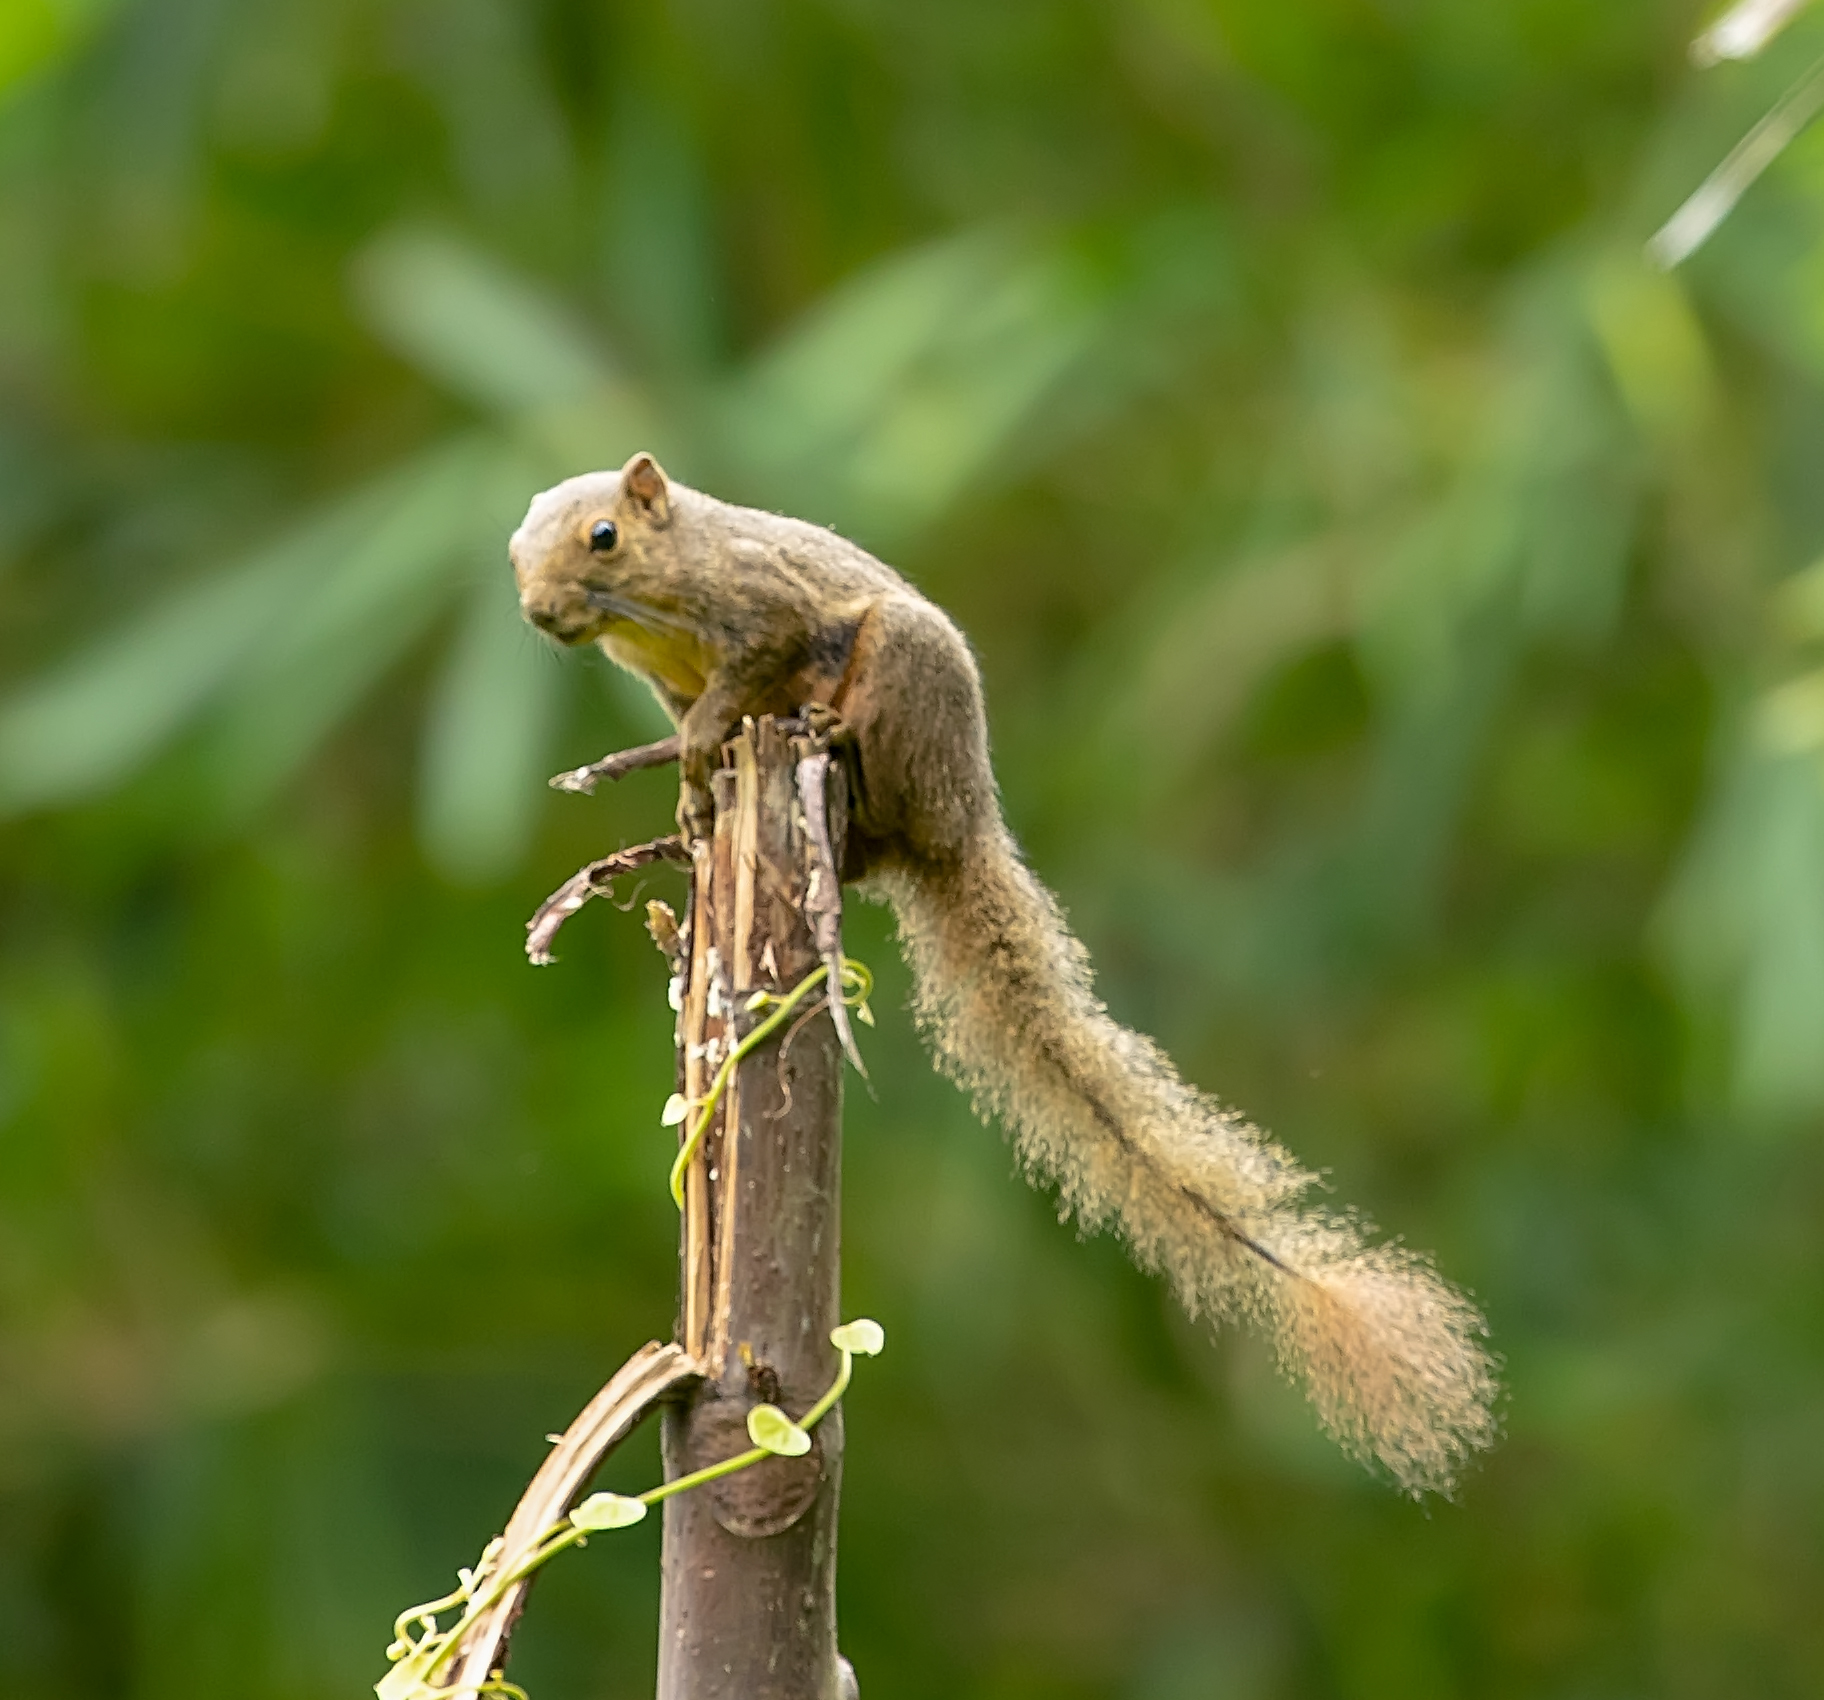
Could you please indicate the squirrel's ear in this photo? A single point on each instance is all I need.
(643, 482)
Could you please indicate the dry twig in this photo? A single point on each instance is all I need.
(595, 880)
(651, 1374)
(616, 766)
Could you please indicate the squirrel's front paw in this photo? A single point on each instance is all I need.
(822, 721)
(696, 813)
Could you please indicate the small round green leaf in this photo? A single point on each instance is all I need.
(864, 1337)
(772, 1428)
(607, 1511)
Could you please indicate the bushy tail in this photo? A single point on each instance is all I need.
(1388, 1350)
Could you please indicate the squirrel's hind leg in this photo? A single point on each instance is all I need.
(913, 700)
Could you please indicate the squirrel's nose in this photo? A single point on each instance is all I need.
(544, 613)
(556, 615)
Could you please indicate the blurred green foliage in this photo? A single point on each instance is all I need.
(1404, 652)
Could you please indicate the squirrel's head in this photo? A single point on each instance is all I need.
(586, 546)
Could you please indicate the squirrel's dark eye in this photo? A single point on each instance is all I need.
(603, 536)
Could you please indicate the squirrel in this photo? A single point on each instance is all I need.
(728, 611)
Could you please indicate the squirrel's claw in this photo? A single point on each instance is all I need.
(822, 721)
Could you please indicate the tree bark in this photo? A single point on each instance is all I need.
(748, 1601)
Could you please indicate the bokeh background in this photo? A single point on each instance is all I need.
(1403, 649)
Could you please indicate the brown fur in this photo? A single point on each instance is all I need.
(727, 611)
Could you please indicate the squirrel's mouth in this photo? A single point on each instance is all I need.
(570, 627)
